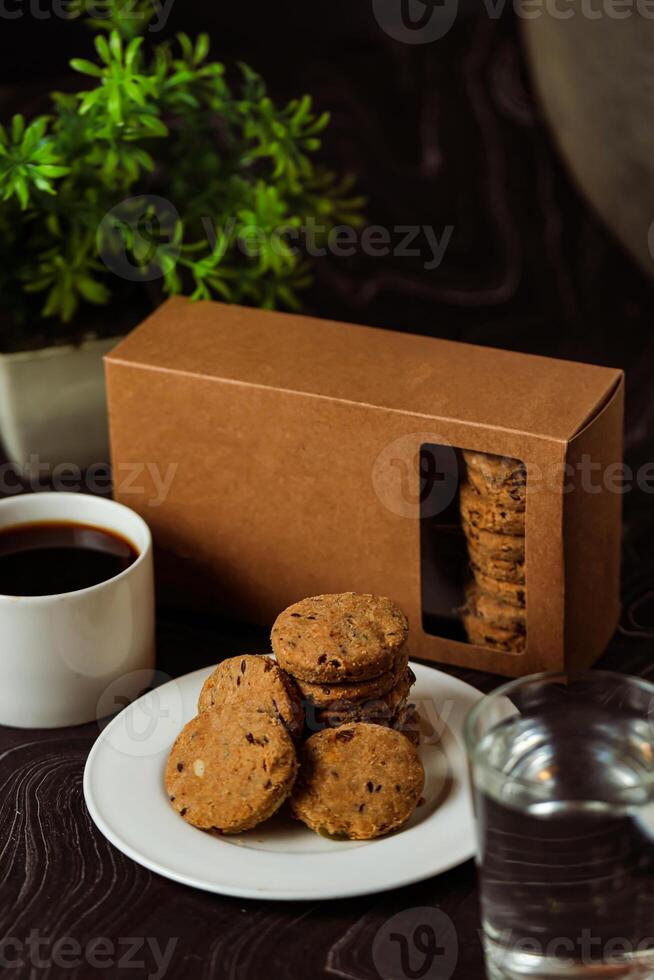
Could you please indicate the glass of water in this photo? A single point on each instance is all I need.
(562, 768)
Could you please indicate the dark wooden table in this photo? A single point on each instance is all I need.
(71, 905)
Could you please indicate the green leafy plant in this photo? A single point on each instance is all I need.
(162, 173)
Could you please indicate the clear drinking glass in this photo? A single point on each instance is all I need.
(562, 768)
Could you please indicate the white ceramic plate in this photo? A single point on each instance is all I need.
(281, 859)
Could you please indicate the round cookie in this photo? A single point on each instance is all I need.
(230, 768)
(359, 781)
(511, 592)
(483, 634)
(496, 471)
(330, 695)
(509, 547)
(482, 512)
(496, 568)
(259, 681)
(377, 710)
(513, 497)
(344, 637)
(492, 610)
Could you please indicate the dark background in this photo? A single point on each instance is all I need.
(441, 134)
(448, 133)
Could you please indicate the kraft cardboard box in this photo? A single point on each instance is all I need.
(278, 456)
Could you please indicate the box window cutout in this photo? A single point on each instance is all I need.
(472, 547)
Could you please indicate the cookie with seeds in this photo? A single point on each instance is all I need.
(339, 638)
(377, 710)
(493, 610)
(483, 512)
(230, 769)
(511, 592)
(501, 569)
(332, 695)
(259, 681)
(357, 782)
(508, 547)
(496, 471)
(485, 634)
(513, 497)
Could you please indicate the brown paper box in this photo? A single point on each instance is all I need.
(295, 445)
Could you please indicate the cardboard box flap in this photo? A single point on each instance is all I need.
(419, 375)
(602, 405)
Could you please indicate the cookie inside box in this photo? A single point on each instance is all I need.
(472, 547)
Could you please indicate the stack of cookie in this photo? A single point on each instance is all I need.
(348, 655)
(492, 504)
(234, 764)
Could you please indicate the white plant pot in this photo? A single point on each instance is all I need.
(53, 407)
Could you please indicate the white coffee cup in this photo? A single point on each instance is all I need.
(59, 653)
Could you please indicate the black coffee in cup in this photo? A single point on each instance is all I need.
(52, 557)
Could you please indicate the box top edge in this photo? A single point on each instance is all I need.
(413, 373)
